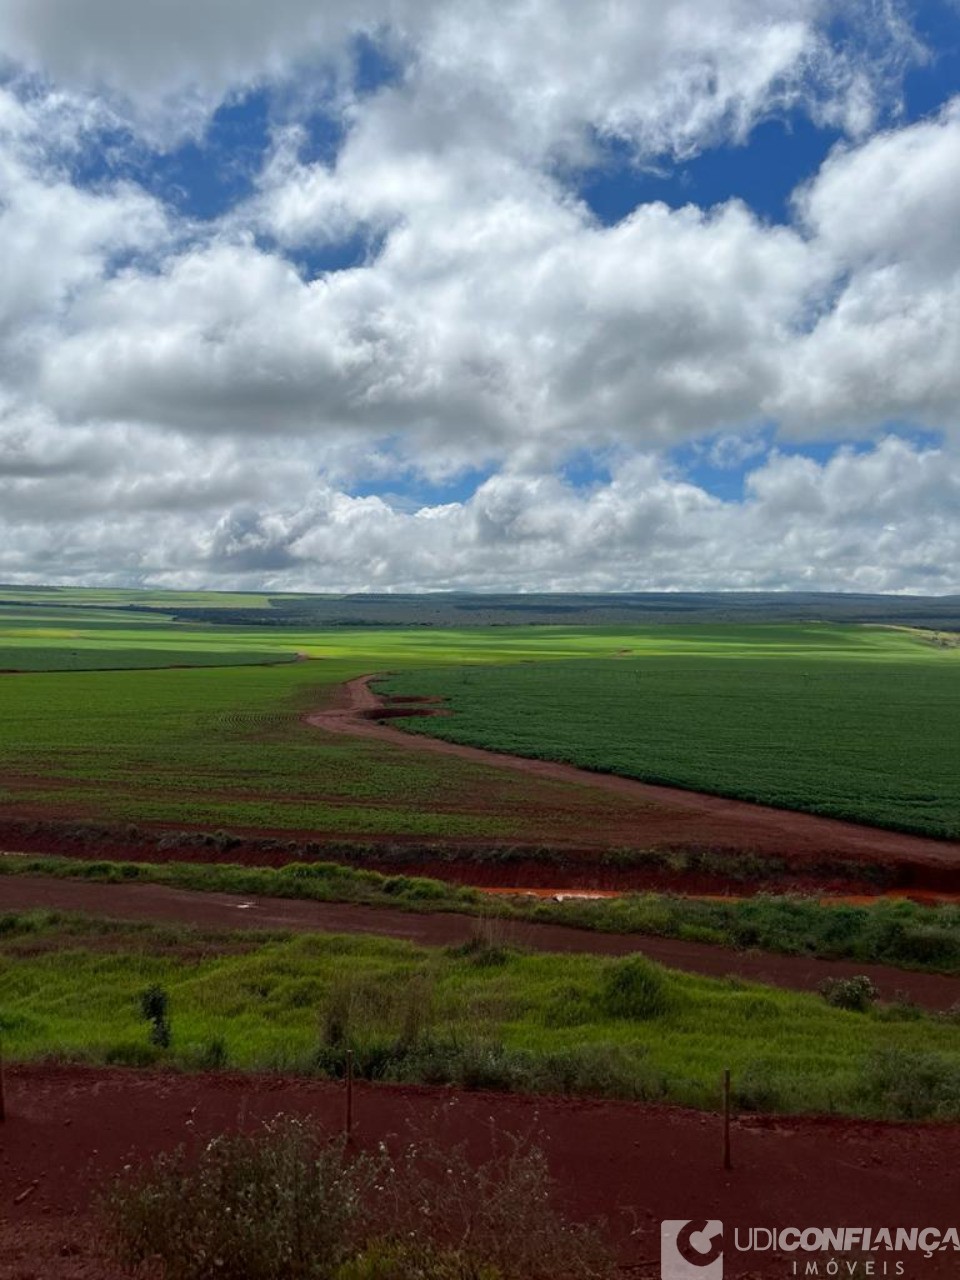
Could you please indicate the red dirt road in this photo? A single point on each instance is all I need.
(674, 816)
(159, 903)
(70, 1129)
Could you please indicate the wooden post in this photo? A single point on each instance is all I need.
(3, 1108)
(348, 1126)
(727, 1164)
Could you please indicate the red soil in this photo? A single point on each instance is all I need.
(831, 900)
(571, 867)
(160, 903)
(69, 1130)
(672, 817)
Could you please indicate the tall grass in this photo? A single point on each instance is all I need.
(479, 1017)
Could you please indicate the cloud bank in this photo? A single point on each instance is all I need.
(408, 353)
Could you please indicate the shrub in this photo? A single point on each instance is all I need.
(903, 1008)
(279, 1205)
(496, 1219)
(756, 1088)
(611, 1071)
(487, 945)
(910, 1085)
(153, 1006)
(927, 947)
(857, 993)
(634, 988)
(570, 1004)
(758, 1008)
(284, 1204)
(491, 1066)
(702, 933)
(482, 954)
(337, 1015)
(415, 1011)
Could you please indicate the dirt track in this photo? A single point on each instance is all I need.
(673, 817)
(70, 1129)
(159, 903)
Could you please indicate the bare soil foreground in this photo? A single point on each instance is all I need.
(673, 817)
(160, 903)
(70, 1130)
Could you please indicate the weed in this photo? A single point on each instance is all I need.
(634, 988)
(856, 994)
(486, 946)
(912, 1085)
(280, 1205)
(537, 1023)
(286, 1204)
(415, 1260)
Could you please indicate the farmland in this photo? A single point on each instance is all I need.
(210, 734)
(868, 734)
(207, 747)
(764, 712)
(226, 788)
(24, 658)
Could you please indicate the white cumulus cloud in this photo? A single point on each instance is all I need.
(195, 399)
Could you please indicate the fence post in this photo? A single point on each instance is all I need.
(348, 1126)
(727, 1163)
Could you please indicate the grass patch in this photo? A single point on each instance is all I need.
(530, 1022)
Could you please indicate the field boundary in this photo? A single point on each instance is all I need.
(359, 712)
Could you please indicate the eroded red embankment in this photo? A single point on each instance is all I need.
(543, 867)
(69, 1129)
(555, 894)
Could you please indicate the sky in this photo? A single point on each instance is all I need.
(525, 295)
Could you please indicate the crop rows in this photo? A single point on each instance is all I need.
(870, 740)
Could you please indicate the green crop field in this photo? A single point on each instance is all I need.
(855, 721)
(478, 1016)
(227, 746)
(207, 748)
(23, 657)
(852, 724)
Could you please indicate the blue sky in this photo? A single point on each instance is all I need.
(402, 297)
